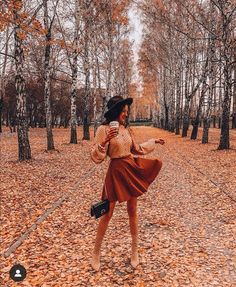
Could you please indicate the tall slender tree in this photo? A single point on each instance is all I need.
(24, 150)
(48, 25)
(74, 68)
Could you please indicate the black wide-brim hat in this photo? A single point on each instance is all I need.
(116, 102)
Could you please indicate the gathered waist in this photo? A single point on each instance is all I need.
(122, 157)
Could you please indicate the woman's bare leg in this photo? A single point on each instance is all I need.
(133, 221)
(102, 227)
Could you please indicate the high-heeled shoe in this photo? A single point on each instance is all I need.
(134, 260)
(95, 263)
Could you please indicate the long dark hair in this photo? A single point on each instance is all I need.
(115, 114)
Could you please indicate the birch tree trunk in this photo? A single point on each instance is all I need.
(227, 70)
(47, 69)
(86, 119)
(207, 116)
(1, 104)
(166, 107)
(96, 85)
(199, 110)
(74, 68)
(234, 98)
(109, 25)
(172, 102)
(224, 135)
(211, 74)
(186, 104)
(24, 151)
(98, 75)
(186, 117)
(94, 94)
(2, 79)
(220, 99)
(178, 98)
(177, 119)
(73, 108)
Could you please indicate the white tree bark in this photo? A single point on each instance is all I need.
(47, 73)
(74, 68)
(24, 150)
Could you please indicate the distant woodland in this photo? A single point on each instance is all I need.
(61, 61)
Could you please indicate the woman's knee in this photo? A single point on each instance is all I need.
(109, 214)
(132, 211)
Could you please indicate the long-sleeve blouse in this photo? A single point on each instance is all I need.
(120, 146)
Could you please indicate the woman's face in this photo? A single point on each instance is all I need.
(123, 115)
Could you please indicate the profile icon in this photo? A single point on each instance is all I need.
(18, 273)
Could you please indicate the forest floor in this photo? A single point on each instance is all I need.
(187, 219)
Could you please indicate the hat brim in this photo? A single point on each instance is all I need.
(123, 102)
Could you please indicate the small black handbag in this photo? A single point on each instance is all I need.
(100, 208)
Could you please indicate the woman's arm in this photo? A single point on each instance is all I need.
(100, 146)
(101, 142)
(144, 148)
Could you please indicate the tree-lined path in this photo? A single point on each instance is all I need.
(60, 63)
(186, 220)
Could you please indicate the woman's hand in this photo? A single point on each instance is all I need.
(160, 141)
(112, 132)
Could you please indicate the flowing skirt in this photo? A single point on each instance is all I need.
(129, 177)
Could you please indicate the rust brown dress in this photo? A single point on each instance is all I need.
(127, 176)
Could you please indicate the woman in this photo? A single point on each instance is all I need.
(127, 177)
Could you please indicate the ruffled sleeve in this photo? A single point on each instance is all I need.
(98, 153)
(143, 148)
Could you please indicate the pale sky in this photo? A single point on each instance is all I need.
(136, 29)
(135, 38)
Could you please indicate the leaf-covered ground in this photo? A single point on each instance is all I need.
(187, 219)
